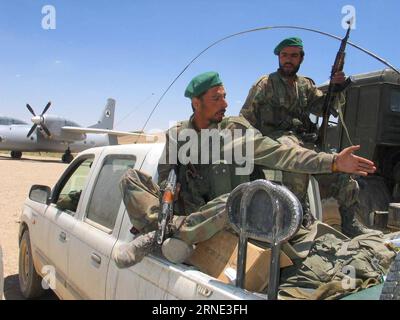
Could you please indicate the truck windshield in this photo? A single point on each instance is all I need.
(395, 101)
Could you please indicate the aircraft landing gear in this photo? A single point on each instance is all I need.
(67, 157)
(16, 154)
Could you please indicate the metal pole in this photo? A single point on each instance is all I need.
(274, 271)
(242, 247)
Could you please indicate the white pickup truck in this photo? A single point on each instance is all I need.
(69, 243)
(68, 234)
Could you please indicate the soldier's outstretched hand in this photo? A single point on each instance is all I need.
(348, 162)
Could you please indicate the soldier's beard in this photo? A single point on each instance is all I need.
(288, 74)
(216, 119)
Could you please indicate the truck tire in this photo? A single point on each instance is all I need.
(30, 282)
(391, 287)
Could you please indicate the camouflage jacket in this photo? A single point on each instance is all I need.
(275, 107)
(201, 183)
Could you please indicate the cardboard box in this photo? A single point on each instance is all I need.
(218, 257)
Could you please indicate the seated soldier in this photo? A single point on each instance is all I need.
(204, 187)
(279, 105)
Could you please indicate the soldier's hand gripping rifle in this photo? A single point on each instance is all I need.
(167, 207)
(328, 108)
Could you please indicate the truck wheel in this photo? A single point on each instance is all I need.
(391, 287)
(30, 282)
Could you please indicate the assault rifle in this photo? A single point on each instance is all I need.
(167, 207)
(328, 108)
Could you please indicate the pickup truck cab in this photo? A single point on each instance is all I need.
(67, 237)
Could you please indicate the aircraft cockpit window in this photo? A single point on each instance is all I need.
(395, 101)
(71, 123)
(70, 194)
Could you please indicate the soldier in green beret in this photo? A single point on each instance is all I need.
(200, 207)
(279, 105)
(199, 211)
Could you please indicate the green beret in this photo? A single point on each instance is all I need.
(289, 42)
(202, 83)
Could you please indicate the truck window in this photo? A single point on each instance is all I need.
(106, 196)
(395, 101)
(70, 194)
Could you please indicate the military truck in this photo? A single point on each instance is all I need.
(372, 116)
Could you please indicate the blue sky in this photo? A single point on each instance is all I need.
(131, 50)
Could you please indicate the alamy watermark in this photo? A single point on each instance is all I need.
(350, 15)
(349, 280)
(211, 146)
(49, 278)
(49, 20)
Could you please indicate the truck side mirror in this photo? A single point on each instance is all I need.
(39, 193)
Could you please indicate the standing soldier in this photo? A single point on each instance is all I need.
(279, 105)
(199, 211)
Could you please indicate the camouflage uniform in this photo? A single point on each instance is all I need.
(276, 108)
(200, 209)
(281, 111)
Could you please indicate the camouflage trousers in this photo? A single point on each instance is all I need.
(342, 187)
(141, 198)
(203, 224)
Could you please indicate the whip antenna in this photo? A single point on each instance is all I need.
(255, 30)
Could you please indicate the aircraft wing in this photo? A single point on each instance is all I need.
(107, 131)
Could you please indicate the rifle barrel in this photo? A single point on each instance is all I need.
(329, 97)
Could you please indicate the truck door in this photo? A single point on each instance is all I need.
(96, 233)
(62, 214)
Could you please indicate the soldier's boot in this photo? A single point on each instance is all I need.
(127, 255)
(351, 227)
(176, 250)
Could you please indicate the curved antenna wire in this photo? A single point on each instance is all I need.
(255, 30)
(134, 109)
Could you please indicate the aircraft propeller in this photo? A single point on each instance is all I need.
(38, 120)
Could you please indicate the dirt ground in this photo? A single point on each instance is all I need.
(17, 177)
